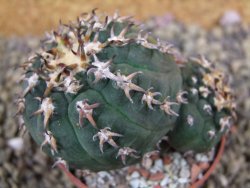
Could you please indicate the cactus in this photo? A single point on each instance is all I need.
(100, 95)
(208, 111)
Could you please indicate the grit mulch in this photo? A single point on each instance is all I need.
(227, 46)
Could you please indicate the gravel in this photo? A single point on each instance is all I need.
(228, 46)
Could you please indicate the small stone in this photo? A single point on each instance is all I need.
(12, 183)
(184, 173)
(10, 129)
(201, 158)
(2, 112)
(40, 158)
(230, 17)
(223, 180)
(173, 185)
(167, 168)
(217, 32)
(147, 163)
(16, 143)
(183, 162)
(8, 167)
(164, 20)
(159, 163)
(183, 180)
(131, 169)
(32, 182)
(157, 176)
(157, 186)
(165, 181)
(2, 142)
(176, 155)
(175, 161)
(135, 174)
(158, 166)
(145, 173)
(134, 183)
(167, 159)
(38, 169)
(154, 157)
(143, 182)
(15, 174)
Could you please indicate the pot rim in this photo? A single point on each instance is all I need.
(196, 184)
(212, 166)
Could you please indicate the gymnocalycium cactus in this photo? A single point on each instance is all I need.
(100, 95)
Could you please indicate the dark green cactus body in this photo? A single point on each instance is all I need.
(198, 128)
(108, 93)
(140, 126)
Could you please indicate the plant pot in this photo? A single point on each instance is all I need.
(194, 184)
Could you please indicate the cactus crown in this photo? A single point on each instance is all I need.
(100, 95)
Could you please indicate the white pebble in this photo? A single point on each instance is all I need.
(158, 166)
(230, 17)
(167, 168)
(143, 183)
(185, 173)
(224, 181)
(147, 163)
(183, 180)
(150, 183)
(134, 183)
(200, 158)
(183, 163)
(103, 174)
(135, 174)
(16, 143)
(176, 155)
(159, 163)
(172, 186)
(176, 161)
(165, 181)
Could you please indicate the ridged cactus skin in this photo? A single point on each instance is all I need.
(99, 95)
(206, 115)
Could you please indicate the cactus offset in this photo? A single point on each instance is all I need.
(107, 95)
(208, 111)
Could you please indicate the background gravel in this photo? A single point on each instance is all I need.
(228, 46)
